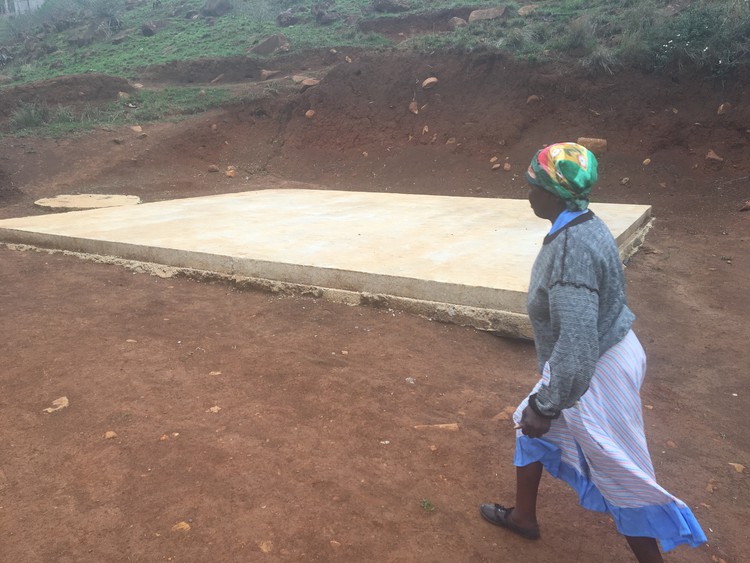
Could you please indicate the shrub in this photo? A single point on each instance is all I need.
(29, 116)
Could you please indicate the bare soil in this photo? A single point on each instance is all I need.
(282, 428)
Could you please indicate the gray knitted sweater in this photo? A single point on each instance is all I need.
(577, 308)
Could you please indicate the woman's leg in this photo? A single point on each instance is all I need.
(646, 550)
(528, 478)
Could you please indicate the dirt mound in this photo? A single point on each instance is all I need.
(490, 100)
(241, 69)
(403, 26)
(65, 90)
(232, 69)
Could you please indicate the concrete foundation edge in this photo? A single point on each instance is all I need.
(503, 323)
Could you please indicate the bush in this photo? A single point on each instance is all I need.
(29, 116)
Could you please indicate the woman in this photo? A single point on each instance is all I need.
(583, 420)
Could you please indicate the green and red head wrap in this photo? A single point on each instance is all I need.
(566, 170)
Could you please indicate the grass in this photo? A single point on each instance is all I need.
(144, 107)
(427, 505)
(596, 36)
(599, 35)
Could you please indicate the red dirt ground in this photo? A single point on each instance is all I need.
(313, 454)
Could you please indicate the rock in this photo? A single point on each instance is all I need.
(110, 435)
(646, 162)
(309, 114)
(331, 57)
(526, 10)
(335, 544)
(270, 44)
(745, 206)
(213, 168)
(181, 527)
(455, 22)
(597, 146)
(738, 467)
(488, 14)
(325, 17)
(671, 444)
(136, 128)
(308, 83)
(507, 166)
(287, 18)
(533, 99)
(138, 86)
(266, 74)
(390, 5)
(214, 409)
(711, 156)
(430, 82)
(724, 108)
(298, 79)
(123, 95)
(148, 29)
(414, 107)
(58, 404)
(624, 181)
(496, 166)
(493, 160)
(216, 8)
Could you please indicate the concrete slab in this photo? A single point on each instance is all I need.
(459, 259)
(76, 202)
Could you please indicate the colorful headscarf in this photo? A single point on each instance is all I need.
(567, 170)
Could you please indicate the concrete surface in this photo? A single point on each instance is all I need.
(459, 259)
(70, 202)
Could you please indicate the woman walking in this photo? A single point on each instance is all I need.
(583, 420)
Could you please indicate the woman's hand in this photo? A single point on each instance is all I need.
(533, 425)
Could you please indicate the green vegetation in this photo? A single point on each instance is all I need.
(143, 107)
(427, 505)
(600, 36)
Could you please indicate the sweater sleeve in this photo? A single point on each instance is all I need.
(574, 310)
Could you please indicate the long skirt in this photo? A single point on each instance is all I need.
(599, 448)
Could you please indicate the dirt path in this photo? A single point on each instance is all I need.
(311, 453)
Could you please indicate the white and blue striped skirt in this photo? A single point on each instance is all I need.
(599, 448)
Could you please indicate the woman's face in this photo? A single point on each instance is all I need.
(544, 204)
